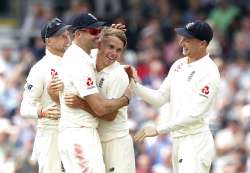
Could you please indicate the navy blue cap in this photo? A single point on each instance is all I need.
(53, 28)
(197, 29)
(85, 20)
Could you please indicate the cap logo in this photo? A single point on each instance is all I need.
(91, 15)
(189, 25)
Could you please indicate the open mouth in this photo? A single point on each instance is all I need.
(110, 58)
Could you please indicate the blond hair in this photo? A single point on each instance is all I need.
(120, 34)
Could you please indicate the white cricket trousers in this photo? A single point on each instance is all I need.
(46, 152)
(193, 153)
(80, 150)
(119, 155)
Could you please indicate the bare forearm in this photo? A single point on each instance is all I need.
(107, 117)
(106, 106)
(102, 106)
(54, 96)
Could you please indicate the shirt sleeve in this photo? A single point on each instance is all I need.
(84, 80)
(154, 97)
(117, 85)
(33, 90)
(196, 107)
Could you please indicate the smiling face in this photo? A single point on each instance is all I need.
(111, 45)
(192, 47)
(111, 49)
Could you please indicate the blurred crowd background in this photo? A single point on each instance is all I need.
(152, 48)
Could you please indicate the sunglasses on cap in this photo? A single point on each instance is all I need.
(92, 31)
(53, 23)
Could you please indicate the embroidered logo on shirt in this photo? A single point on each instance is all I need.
(90, 83)
(53, 72)
(190, 76)
(28, 86)
(101, 83)
(178, 68)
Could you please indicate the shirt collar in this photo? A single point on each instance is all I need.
(200, 62)
(109, 68)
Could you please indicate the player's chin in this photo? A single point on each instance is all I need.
(185, 52)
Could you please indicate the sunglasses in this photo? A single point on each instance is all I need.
(54, 22)
(93, 31)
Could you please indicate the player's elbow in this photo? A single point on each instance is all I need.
(23, 112)
(99, 111)
(27, 111)
(111, 117)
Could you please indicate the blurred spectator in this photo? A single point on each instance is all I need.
(143, 164)
(223, 14)
(230, 138)
(76, 7)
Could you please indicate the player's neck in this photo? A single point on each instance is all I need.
(195, 57)
(84, 47)
(99, 64)
(56, 52)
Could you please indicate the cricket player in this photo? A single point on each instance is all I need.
(112, 82)
(190, 88)
(37, 103)
(79, 142)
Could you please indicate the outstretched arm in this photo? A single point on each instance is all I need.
(154, 97)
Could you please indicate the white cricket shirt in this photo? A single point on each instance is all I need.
(191, 89)
(112, 82)
(78, 76)
(35, 90)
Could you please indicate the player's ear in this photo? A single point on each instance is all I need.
(48, 41)
(204, 43)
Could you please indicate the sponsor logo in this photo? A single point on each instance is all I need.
(205, 91)
(90, 83)
(53, 72)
